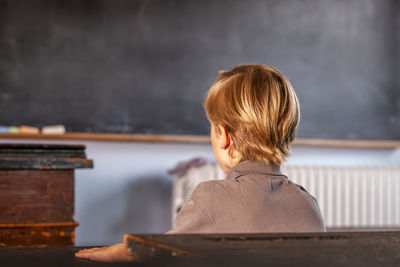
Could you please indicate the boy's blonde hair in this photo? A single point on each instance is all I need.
(259, 109)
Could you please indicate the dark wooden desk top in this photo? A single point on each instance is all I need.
(43, 157)
(322, 249)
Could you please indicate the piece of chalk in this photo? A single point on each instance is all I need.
(28, 130)
(13, 129)
(53, 129)
(3, 129)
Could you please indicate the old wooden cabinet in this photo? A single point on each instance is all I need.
(37, 193)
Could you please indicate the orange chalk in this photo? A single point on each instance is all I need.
(28, 130)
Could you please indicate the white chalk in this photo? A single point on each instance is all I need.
(53, 129)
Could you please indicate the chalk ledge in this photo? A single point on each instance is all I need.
(299, 142)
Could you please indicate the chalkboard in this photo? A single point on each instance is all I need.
(138, 66)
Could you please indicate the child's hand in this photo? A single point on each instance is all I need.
(114, 253)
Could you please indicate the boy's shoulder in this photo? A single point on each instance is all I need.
(208, 186)
(210, 190)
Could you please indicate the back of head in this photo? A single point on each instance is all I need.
(259, 108)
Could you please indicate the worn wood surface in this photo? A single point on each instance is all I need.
(34, 196)
(36, 236)
(43, 147)
(306, 249)
(42, 150)
(367, 249)
(43, 157)
(44, 257)
(44, 163)
(36, 207)
(37, 193)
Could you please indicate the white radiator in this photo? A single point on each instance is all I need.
(352, 196)
(349, 196)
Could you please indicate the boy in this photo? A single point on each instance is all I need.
(254, 112)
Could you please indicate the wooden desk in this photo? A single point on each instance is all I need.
(37, 193)
(322, 249)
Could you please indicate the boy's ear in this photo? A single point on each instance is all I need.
(224, 140)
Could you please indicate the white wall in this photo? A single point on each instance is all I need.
(129, 189)
(344, 156)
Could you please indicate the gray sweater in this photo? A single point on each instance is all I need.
(254, 198)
